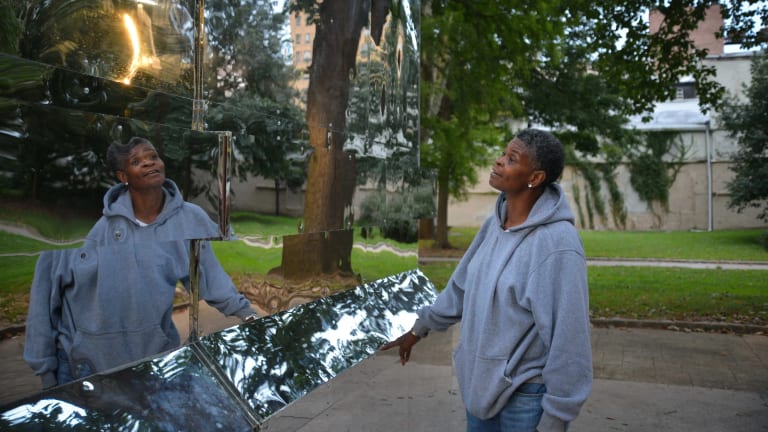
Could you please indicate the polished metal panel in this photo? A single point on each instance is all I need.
(237, 378)
(34, 82)
(79, 74)
(173, 392)
(277, 359)
(141, 43)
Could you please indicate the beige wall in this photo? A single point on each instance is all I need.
(688, 207)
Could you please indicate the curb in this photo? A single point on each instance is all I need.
(685, 326)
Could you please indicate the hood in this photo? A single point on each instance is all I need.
(117, 202)
(552, 206)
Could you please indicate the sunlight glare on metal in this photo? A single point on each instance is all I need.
(135, 59)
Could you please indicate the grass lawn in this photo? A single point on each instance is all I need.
(729, 245)
(629, 292)
(664, 293)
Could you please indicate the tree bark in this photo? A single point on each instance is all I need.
(331, 172)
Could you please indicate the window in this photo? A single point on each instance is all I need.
(298, 20)
(298, 38)
(307, 56)
(307, 38)
(679, 93)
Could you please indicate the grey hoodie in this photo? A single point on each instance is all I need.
(110, 302)
(522, 298)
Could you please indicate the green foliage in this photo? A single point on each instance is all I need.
(397, 214)
(11, 25)
(595, 175)
(578, 66)
(748, 122)
(244, 51)
(267, 137)
(651, 175)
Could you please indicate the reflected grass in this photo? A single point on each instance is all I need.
(14, 244)
(254, 224)
(49, 224)
(239, 259)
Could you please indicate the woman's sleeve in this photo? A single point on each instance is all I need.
(560, 305)
(44, 314)
(449, 305)
(217, 288)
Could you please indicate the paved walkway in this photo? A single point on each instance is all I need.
(645, 381)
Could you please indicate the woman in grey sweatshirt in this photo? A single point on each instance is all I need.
(110, 301)
(524, 361)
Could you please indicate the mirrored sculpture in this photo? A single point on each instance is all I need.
(237, 378)
(255, 110)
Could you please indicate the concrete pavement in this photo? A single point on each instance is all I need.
(645, 380)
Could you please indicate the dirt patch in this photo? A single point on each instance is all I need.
(275, 294)
(13, 309)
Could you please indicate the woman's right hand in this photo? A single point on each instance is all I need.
(405, 343)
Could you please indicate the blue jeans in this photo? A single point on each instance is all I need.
(64, 373)
(521, 413)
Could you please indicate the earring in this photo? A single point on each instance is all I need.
(126, 184)
(529, 185)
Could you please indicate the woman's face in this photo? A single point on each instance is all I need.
(513, 170)
(143, 168)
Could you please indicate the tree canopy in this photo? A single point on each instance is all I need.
(579, 66)
(748, 122)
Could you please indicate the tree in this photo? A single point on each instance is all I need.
(249, 83)
(268, 139)
(748, 122)
(245, 39)
(331, 171)
(577, 65)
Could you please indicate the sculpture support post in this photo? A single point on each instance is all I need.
(194, 288)
(223, 177)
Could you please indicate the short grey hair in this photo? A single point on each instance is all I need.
(117, 153)
(546, 152)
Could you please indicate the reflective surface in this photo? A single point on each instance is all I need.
(154, 395)
(323, 137)
(234, 379)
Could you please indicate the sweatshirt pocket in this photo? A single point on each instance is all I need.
(484, 388)
(107, 350)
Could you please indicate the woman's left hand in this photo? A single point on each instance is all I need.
(405, 342)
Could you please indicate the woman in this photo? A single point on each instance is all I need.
(110, 302)
(524, 362)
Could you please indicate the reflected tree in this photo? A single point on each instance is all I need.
(331, 171)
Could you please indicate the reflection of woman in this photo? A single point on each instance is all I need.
(110, 302)
(524, 362)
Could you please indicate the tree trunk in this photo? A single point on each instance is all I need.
(277, 198)
(441, 234)
(331, 172)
